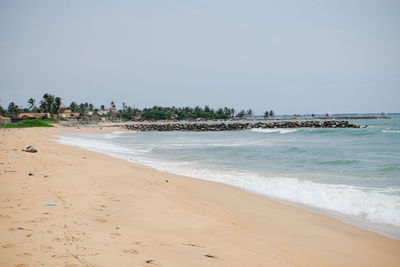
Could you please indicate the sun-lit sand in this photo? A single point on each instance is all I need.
(84, 208)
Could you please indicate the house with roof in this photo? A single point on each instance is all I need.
(68, 114)
(4, 120)
(31, 116)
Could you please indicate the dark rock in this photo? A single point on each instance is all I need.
(237, 126)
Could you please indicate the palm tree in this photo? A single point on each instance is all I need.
(47, 102)
(74, 107)
(31, 102)
(271, 113)
(56, 105)
(240, 114)
(13, 110)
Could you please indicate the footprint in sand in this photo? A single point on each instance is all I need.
(58, 239)
(138, 243)
(101, 220)
(24, 254)
(60, 256)
(131, 251)
(8, 245)
(115, 234)
(113, 199)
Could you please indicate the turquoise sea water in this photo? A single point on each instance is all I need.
(352, 174)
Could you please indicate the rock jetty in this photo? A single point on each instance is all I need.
(234, 126)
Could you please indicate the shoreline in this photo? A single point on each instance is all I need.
(385, 229)
(212, 223)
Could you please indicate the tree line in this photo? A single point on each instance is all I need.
(53, 104)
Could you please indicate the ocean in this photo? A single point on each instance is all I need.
(350, 174)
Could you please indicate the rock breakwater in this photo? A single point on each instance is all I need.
(235, 126)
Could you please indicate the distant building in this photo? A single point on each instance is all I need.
(62, 109)
(68, 114)
(25, 116)
(4, 120)
(103, 112)
(96, 117)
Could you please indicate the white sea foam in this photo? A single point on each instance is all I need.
(374, 205)
(275, 130)
(115, 134)
(101, 146)
(390, 131)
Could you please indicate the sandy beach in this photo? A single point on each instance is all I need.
(64, 206)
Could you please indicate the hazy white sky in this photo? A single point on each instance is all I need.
(289, 56)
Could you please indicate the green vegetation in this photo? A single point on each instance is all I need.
(167, 113)
(29, 123)
(268, 114)
(88, 112)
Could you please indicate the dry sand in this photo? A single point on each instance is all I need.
(110, 212)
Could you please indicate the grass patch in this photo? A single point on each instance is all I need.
(29, 123)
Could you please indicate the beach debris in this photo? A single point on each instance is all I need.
(193, 245)
(210, 256)
(51, 205)
(166, 181)
(31, 174)
(30, 149)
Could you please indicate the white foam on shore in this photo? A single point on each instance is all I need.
(275, 130)
(371, 205)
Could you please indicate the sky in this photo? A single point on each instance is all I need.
(293, 57)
